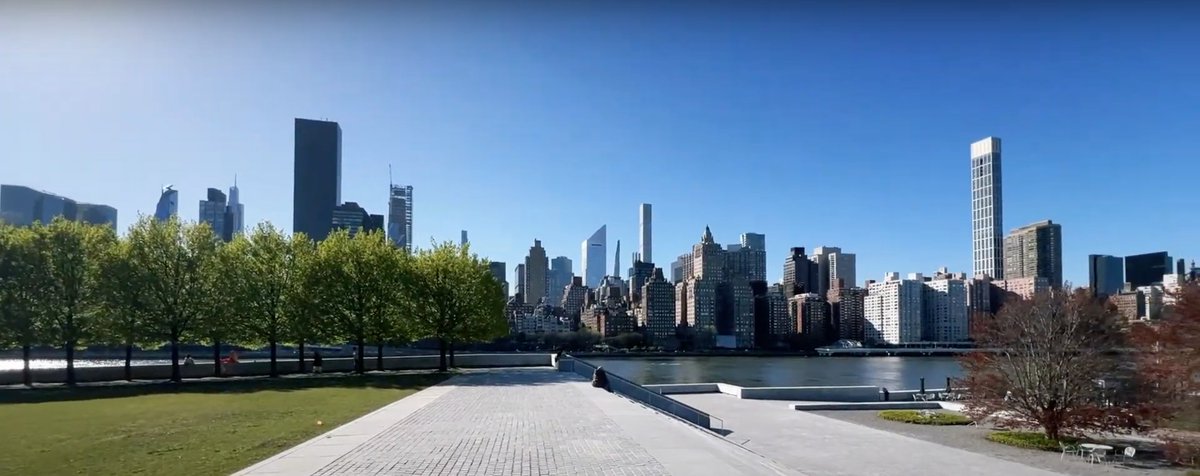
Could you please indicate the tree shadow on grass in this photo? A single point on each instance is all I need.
(405, 381)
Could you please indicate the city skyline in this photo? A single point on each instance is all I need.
(1062, 129)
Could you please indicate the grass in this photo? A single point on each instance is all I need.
(193, 428)
(1033, 440)
(926, 418)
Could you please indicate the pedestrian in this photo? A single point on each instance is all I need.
(600, 378)
(316, 362)
(187, 360)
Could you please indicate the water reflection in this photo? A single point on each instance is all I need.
(890, 372)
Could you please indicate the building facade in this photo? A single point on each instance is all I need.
(400, 216)
(799, 274)
(353, 218)
(500, 273)
(1106, 274)
(987, 211)
(560, 278)
(23, 206)
(215, 212)
(645, 233)
(658, 297)
(168, 204)
(317, 183)
(536, 274)
(1146, 269)
(892, 310)
(594, 252)
(846, 306)
(573, 300)
(1035, 251)
(843, 270)
(235, 212)
(519, 272)
(945, 317)
(812, 318)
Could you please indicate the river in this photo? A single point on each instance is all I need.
(889, 372)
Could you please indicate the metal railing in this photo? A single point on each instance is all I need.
(627, 388)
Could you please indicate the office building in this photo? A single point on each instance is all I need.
(1146, 269)
(645, 233)
(735, 313)
(168, 204)
(353, 218)
(780, 320)
(1020, 288)
(799, 274)
(317, 184)
(639, 275)
(536, 274)
(1034, 251)
(892, 310)
(1129, 304)
(757, 241)
(1106, 274)
(500, 273)
(617, 261)
(560, 278)
(519, 272)
(945, 317)
(573, 300)
(843, 269)
(820, 260)
(749, 259)
(658, 297)
(215, 211)
(400, 216)
(22, 206)
(979, 297)
(681, 268)
(987, 211)
(594, 257)
(847, 311)
(235, 212)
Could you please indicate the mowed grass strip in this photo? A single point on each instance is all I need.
(195, 428)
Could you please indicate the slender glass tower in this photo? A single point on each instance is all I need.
(594, 250)
(644, 231)
(987, 211)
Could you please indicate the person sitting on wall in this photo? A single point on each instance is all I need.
(316, 362)
(188, 360)
(600, 378)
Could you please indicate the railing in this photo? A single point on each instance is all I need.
(629, 389)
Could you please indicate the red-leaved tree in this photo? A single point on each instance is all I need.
(1168, 369)
(1047, 362)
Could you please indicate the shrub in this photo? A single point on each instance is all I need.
(924, 418)
(1029, 439)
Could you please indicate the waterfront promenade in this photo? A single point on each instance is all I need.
(516, 422)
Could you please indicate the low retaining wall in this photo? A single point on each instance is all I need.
(817, 406)
(163, 372)
(864, 393)
(640, 393)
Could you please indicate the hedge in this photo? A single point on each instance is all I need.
(1029, 439)
(924, 418)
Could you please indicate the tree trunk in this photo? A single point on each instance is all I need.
(26, 373)
(217, 358)
(301, 353)
(452, 354)
(274, 369)
(70, 348)
(175, 376)
(129, 361)
(379, 357)
(442, 354)
(359, 366)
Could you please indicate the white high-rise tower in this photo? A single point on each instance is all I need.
(987, 211)
(593, 257)
(644, 233)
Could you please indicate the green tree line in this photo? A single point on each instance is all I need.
(66, 284)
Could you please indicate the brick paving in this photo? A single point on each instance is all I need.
(502, 423)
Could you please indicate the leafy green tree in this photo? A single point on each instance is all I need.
(221, 319)
(455, 298)
(304, 318)
(172, 256)
(124, 304)
(19, 286)
(269, 272)
(71, 253)
(359, 287)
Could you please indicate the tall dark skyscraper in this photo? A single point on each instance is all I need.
(1147, 269)
(1106, 274)
(318, 177)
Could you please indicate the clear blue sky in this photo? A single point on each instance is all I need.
(843, 125)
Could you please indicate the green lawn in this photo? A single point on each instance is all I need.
(194, 428)
(925, 417)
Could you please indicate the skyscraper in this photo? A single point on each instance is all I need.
(987, 211)
(560, 278)
(749, 259)
(236, 211)
(644, 231)
(463, 241)
(214, 212)
(820, 258)
(1034, 251)
(400, 216)
(594, 256)
(658, 297)
(94, 214)
(842, 268)
(168, 204)
(757, 241)
(519, 272)
(1146, 269)
(892, 310)
(944, 313)
(22, 206)
(799, 274)
(501, 275)
(617, 261)
(353, 218)
(536, 270)
(317, 184)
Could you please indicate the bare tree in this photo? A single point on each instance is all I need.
(1044, 362)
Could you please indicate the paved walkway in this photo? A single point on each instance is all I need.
(820, 446)
(516, 422)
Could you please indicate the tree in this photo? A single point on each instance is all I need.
(71, 253)
(455, 298)
(19, 286)
(304, 319)
(222, 314)
(358, 287)
(267, 273)
(122, 319)
(172, 257)
(1168, 351)
(1050, 353)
